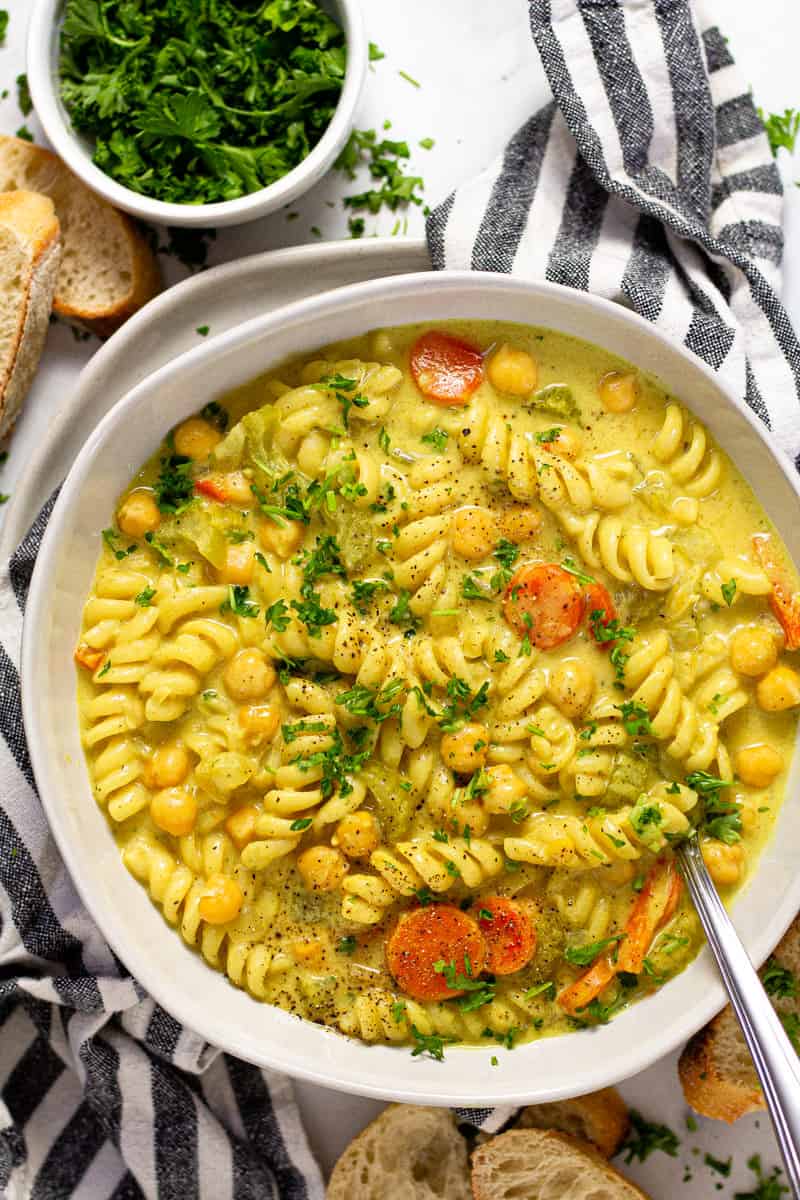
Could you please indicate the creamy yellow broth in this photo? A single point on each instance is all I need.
(291, 763)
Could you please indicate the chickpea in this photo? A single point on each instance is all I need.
(248, 675)
(505, 789)
(571, 687)
(685, 510)
(312, 451)
(465, 751)
(241, 825)
(724, 862)
(758, 765)
(619, 391)
(520, 524)
(282, 540)
(174, 809)
(357, 834)
(138, 514)
(168, 766)
(779, 689)
(322, 868)
(221, 900)
(514, 372)
(568, 444)
(753, 650)
(473, 533)
(260, 721)
(196, 438)
(239, 563)
(236, 487)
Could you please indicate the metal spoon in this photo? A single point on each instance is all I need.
(776, 1063)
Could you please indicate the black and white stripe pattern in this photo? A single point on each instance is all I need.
(649, 181)
(103, 1095)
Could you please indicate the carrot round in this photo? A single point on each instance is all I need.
(545, 603)
(509, 933)
(438, 933)
(445, 369)
(588, 986)
(598, 599)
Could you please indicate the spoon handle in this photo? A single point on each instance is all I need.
(776, 1063)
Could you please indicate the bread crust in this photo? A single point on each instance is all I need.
(599, 1118)
(715, 1069)
(535, 1147)
(25, 164)
(30, 219)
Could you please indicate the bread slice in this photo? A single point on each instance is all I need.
(600, 1118)
(541, 1164)
(715, 1068)
(407, 1153)
(108, 271)
(29, 260)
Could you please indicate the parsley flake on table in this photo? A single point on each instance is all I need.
(781, 129)
(3, 24)
(193, 103)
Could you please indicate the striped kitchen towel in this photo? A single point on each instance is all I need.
(649, 181)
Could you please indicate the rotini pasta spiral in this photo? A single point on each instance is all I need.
(180, 665)
(630, 553)
(682, 445)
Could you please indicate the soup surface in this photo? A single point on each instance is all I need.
(405, 667)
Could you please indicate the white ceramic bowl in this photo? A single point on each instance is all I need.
(76, 150)
(177, 977)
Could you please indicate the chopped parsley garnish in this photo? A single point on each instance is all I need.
(471, 589)
(111, 537)
(203, 330)
(728, 591)
(767, 1187)
(239, 602)
(24, 96)
(384, 158)
(401, 613)
(277, 615)
(374, 704)
(346, 945)
(3, 24)
(506, 554)
(584, 956)
(300, 824)
(548, 990)
(174, 486)
(105, 669)
(346, 392)
(722, 819)
(239, 536)
(462, 703)
(548, 435)
(779, 981)
(568, 564)
(384, 441)
(362, 591)
(500, 656)
(635, 718)
(645, 1138)
(145, 597)
(436, 438)
(205, 109)
(479, 991)
(430, 1043)
(337, 765)
(781, 129)
(398, 1012)
(721, 1166)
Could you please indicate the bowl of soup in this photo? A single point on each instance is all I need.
(376, 659)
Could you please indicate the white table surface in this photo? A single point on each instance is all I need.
(480, 78)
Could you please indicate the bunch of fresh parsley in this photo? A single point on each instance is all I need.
(194, 103)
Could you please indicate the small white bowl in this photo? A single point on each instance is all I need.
(76, 149)
(177, 977)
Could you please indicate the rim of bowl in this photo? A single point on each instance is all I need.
(45, 17)
(636, 1053)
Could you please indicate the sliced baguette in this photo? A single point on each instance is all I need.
(600, 1118)
(715, 1069)
(536, 1164)
(407, 1153)
(107, 269)
(29, 261)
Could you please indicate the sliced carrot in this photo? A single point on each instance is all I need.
(212, 488)
(438, 933)
(87, 657)
(598, 600)
(445, 369)
(784, 602)
(545, 603)
(509, 933)
(588, 986)
(652, 908)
